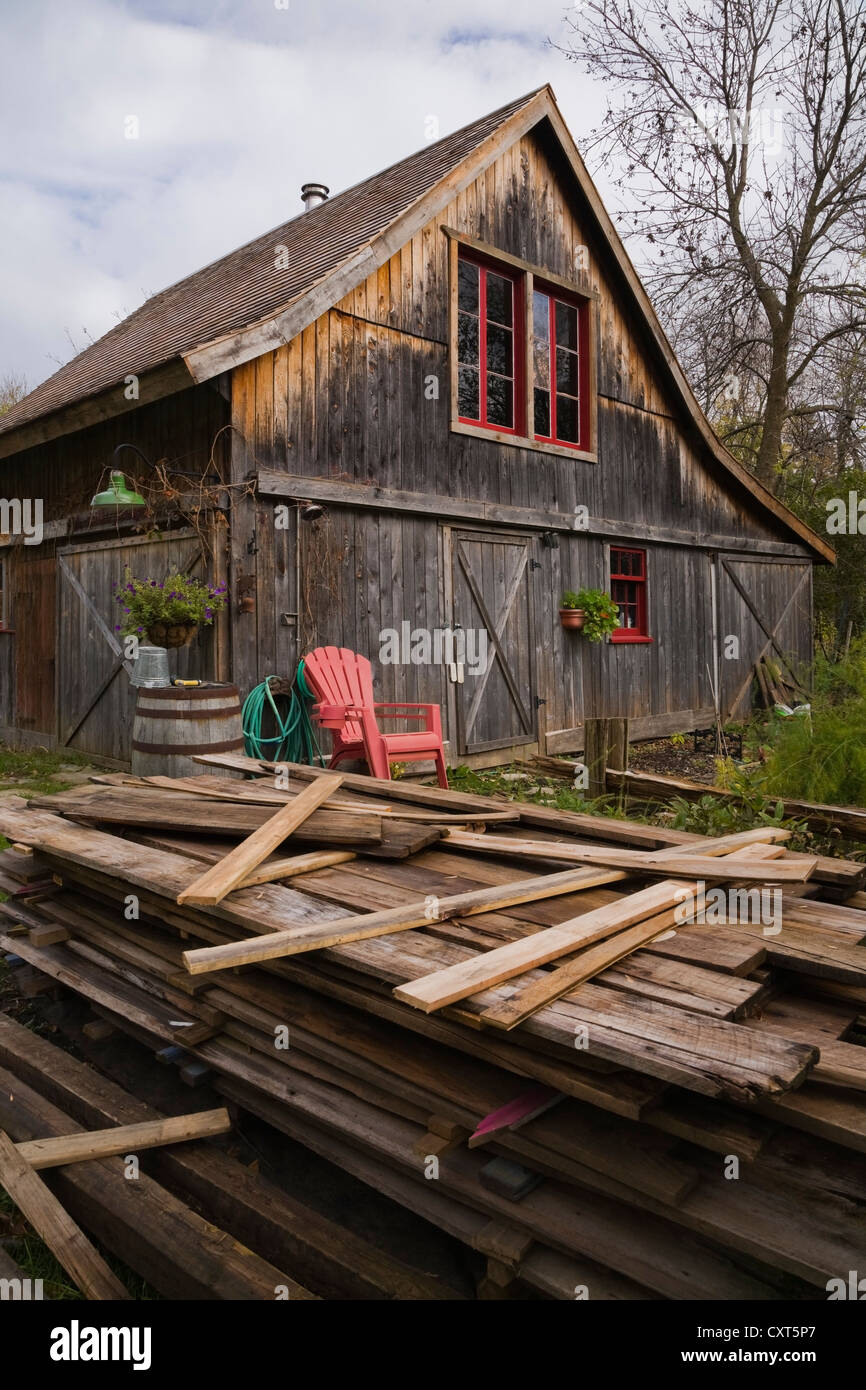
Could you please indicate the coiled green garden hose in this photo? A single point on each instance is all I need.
(295, 738)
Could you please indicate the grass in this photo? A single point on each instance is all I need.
(36, 1261)
(38, 770)
(512, 782)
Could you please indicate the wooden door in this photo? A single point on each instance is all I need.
(33, 614)
(490, 595)
(94, 696)
(766, 605)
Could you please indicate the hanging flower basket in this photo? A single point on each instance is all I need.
(167, 612)
(173, 635)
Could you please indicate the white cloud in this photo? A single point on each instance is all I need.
(238, 103)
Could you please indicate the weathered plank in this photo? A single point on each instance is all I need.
(52, 1222)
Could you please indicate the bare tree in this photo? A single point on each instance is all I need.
(13, 388)
(739, 133)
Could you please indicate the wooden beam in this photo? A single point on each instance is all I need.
(123, 1139)
(230, 872)
(300, 864)
(82, 1262)
(296, 486)
(684, 864)
(47, 934)
(262, 794)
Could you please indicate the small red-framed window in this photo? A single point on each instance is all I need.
(628, 589)
(490, 346)
(560, 369)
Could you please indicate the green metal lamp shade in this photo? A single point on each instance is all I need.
(117, 494)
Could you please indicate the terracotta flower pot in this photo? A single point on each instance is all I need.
(172, 635)
(571, 617)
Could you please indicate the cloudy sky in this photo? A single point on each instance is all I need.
(236, 103)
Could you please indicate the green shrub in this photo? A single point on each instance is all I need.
(824, 758)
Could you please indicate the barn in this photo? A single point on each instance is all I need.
(428, 405)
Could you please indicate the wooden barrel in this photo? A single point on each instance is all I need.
(172, 724)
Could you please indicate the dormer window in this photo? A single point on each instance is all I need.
(522, 345)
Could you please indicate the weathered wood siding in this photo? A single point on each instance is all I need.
(350, 400)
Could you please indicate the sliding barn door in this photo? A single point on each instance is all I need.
(95, 699)
(491, 599)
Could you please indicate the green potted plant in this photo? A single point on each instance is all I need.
(570, 613)
(167, 612)
(600, 614)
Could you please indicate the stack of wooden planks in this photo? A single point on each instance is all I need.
(524, 1033)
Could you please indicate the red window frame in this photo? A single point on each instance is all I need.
(581, 306)
(635, 577)
(518, 338)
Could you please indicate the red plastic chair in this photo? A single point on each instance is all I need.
(342, 682)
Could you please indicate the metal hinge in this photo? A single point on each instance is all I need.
(535, 564)
(539, 702)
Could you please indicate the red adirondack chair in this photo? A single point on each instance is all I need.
(342, 682)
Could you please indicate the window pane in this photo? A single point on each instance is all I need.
(467, 286)
(566, 325)
(542, 412)
(541, 315)
(500, 401)
(467, 339)
(566, 371)
(499, 292)
(500, 350)
(566, 419)
(468, 401)
(541, 365)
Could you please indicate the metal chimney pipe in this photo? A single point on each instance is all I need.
(313, 194)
